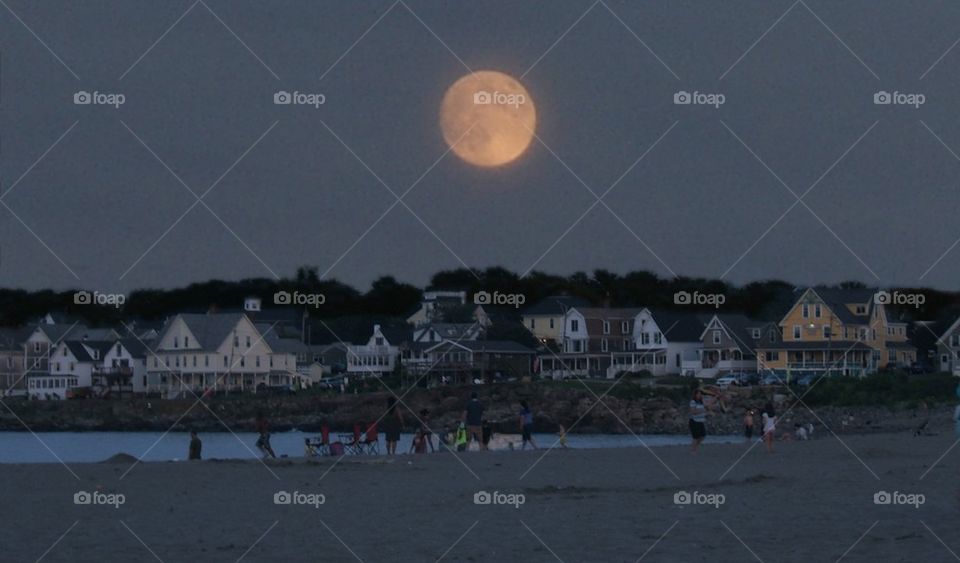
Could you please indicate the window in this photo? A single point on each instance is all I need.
(827, 331)
(533, 324)
(258, 361)
(773, 337)
(796, 332)
(645, 338)
(626, 344)
(551, 323)
(186, 341)
(36, 346)
(225, 361)
(756, 334)
(606, 327)
(861, 310)
(773, 356)
(243, 361)
(604, 346)
(379, 341)
(806, 311)
(248, 341)
(892, 355)
(625, 327)
(657, 338)
(236, 341)
(64, 351)
(176, 342)
(194, 362)
(206, 361)
(716, 337)
(574, 325)
(816, 310)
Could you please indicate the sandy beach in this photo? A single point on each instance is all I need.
(807, 501)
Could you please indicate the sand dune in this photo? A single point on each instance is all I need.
(808, 501)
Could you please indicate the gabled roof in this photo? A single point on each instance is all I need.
(60, 331)
(453, 331)
(607, 313)
(555, 305)
(79, 352)
(278, 343)
(679, 327)
(739, 328)
(838, 299)
(135, 347)
(209, 330)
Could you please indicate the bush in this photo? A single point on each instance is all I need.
(885, 388)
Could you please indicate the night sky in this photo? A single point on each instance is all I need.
(293, 185)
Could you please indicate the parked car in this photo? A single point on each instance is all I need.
(771, 379)
(746, 378)
(727, 381)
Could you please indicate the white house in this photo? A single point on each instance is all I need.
(70, 368)
(379, 355)
(215, 351)
(433, 304)
(667, 340)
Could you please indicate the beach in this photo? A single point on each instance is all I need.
(807, 501)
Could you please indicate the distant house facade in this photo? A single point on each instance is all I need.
(466, 361)
(196, 353)
(948, 349)
(433, 304)
(379, 356)
(671, 343)
(730, 344)
(597, 342)
(839, 331)
(545, 319)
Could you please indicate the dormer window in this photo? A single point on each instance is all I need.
(756, 333)
(861, 310)
(176, 342)
(606, 327)
(625, 327)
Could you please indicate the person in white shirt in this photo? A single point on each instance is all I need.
(769, 418)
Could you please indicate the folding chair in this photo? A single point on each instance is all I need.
(319, 445)
(351, 442)
(371, 442)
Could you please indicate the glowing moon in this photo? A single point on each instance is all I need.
(488, 118)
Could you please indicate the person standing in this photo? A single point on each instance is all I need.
(393, 425)
(526, 425)
(195, 446)
(473, 418)
(425, 428)
(769, 418)
(263, 442)
(698, 420)
(748, 425)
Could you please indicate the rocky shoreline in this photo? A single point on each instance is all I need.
(576, 409)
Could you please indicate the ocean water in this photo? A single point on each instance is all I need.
(79, 447)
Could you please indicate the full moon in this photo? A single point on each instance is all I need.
(488, 118)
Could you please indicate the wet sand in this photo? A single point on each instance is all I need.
(807, 501)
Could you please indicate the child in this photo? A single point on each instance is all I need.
(461, 437)
(769, 418)
(748, 425)
(563, 436)
(419, 443)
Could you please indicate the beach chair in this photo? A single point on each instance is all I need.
(371, 441)
(352, 442)
(319, 445)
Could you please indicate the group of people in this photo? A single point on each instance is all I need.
(768, 423)
(474, 427)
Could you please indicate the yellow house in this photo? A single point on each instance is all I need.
(837, 331)
(545, 318)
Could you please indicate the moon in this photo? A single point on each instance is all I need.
(488, 118)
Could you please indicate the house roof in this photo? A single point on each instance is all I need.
(740, 328)
(608, 313)
(77, 349)
(210, 330)
(838, 299)
(680, 327)
(555, 305)
(136, 347)
(278, 343)
(59, 331)
(451, 330)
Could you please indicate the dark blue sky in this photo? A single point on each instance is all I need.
(799, 95)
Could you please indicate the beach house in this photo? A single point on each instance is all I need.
(215, 351)
(544, 319)
(948, 349)
(466, 361)
(837, 331)
(380, 354)
(597, 342)
(668, 341)
(730, 344)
